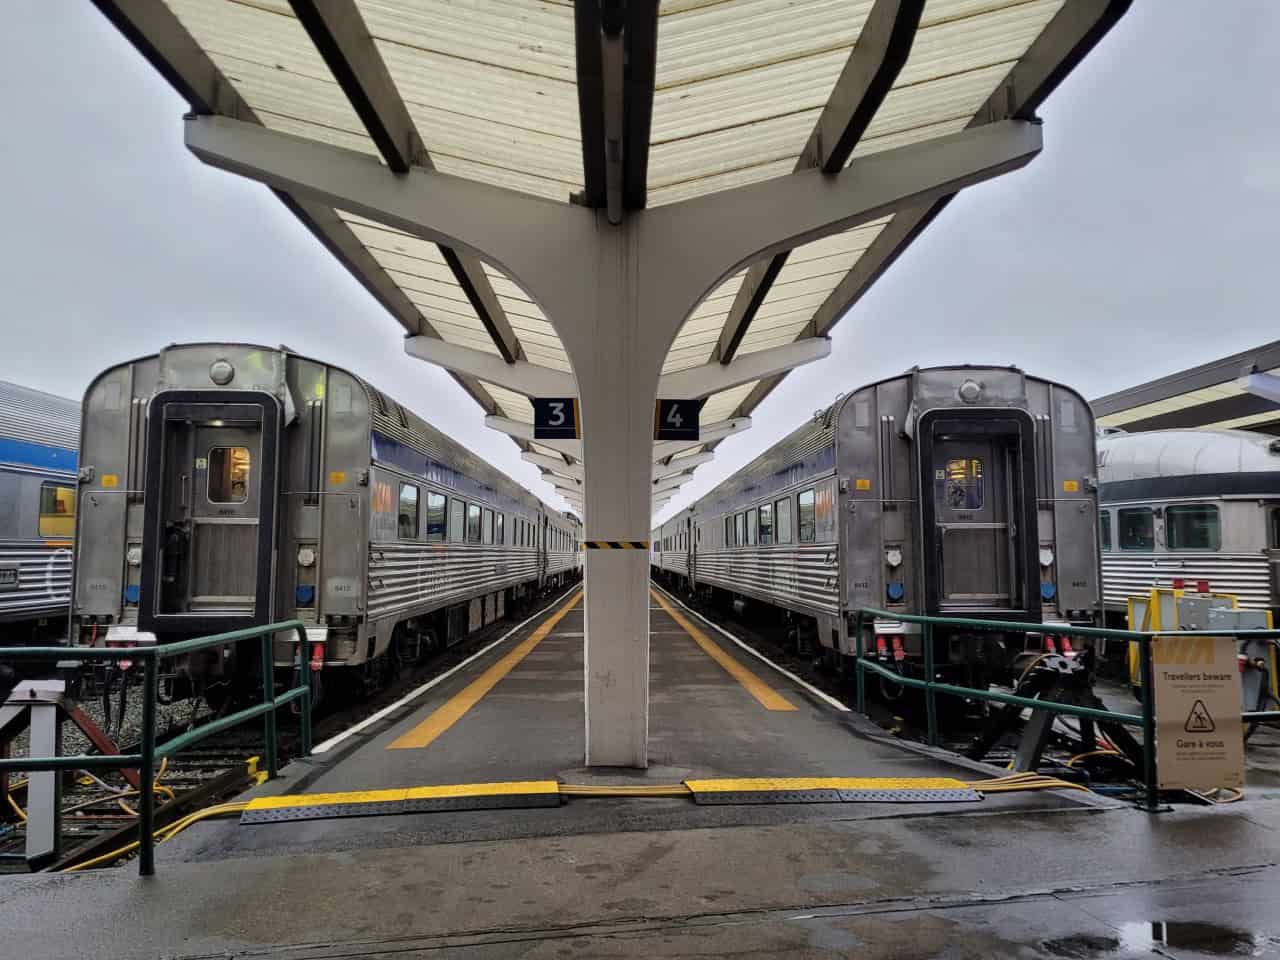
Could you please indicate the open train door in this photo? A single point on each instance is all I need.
(977, 477)
(211, 491)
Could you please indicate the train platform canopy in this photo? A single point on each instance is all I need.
(616, 202)
(1240, 392)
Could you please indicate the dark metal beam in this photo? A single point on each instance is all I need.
(616, 43)
(877, 57)
(1203, 414)
(162, 40)
(590, 68)
(1074, 31)
(642, 59)
(343, 40)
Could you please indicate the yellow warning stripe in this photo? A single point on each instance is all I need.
(452, 711)
(615, 544)
(396, 795)
(769, 698)
(771, 784)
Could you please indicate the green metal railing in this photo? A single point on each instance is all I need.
(149, 751)
(1146, 719)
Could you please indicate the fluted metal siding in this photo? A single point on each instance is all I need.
(1248, 576)
(407, 577)
(803, 576)
(676, 561)
(35, 417)
(44, 580)
(560, 560)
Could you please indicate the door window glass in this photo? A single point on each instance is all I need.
(488, 526)
(1274, 539)
(959, 486)
(408, 512)
(1137, 529)
(435, 516)
(1105, 519)
(782, 510)
(1192, 526)
(57, 510)
(728, 531)
(229, 474)
(473, 523)
(498, 524)
(751, 527)
(457, 515)
(806, 516)
(740, 529)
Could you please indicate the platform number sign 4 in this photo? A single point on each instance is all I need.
(676, 419)
(555, 418)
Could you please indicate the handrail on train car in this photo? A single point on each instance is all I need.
(150, 751)
(1146, 719)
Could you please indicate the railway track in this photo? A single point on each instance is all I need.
(99, 813)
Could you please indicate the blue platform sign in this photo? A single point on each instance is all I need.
(676, 419)
(555, 418)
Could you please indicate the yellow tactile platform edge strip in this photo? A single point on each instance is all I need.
(364, 803)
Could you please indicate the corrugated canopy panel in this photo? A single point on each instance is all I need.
(491, 86)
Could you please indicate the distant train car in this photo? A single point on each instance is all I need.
(39, 435)
(230, 485)
(1192, 508)
(954, 491)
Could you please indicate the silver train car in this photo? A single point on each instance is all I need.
(955, 491)
(229, 485)
(1198, 509)
(39, 436)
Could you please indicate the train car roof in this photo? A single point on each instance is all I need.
(450, 448)
(1182, 453)
(33, 416)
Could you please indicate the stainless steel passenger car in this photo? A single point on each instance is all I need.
(39, 434)
(230, 485)
(1191, 508)
(957, 491)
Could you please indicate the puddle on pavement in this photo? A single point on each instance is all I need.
(1204, 938)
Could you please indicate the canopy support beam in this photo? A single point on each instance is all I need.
(617, 295)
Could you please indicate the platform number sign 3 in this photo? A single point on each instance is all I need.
(676, 419)
(555, 418)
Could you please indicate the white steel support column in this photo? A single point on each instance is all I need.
(616, 295)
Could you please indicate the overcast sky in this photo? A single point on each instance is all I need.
(1142, 241)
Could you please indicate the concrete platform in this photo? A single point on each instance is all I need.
(1018, 875)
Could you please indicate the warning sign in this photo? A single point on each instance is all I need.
(1199, 737)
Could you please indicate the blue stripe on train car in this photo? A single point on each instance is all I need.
(37, 455)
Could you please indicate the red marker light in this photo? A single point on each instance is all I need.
(1202, 586)
(1179, 583)
(898, 653)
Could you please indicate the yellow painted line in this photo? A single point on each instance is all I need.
(399, 794)
(824, 783)
(769, 698)
(446, 716)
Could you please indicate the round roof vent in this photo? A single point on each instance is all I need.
(970, 391)
(221, 372)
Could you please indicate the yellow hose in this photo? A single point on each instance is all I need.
(163, 834)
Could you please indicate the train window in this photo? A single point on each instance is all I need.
(1273, 537)
(782, 518)
(1105, 536)
(960, 485)
(1192, 526)
(728, 531)
(473, 523)
(57, 510)
(229, 469)
(766, 525)
(488, 526)
(740, 530)
(407, 528)
(498, 524)
(457, 520)
(435, 516)
(752, 528)
(1137, 529)
(806, 516)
